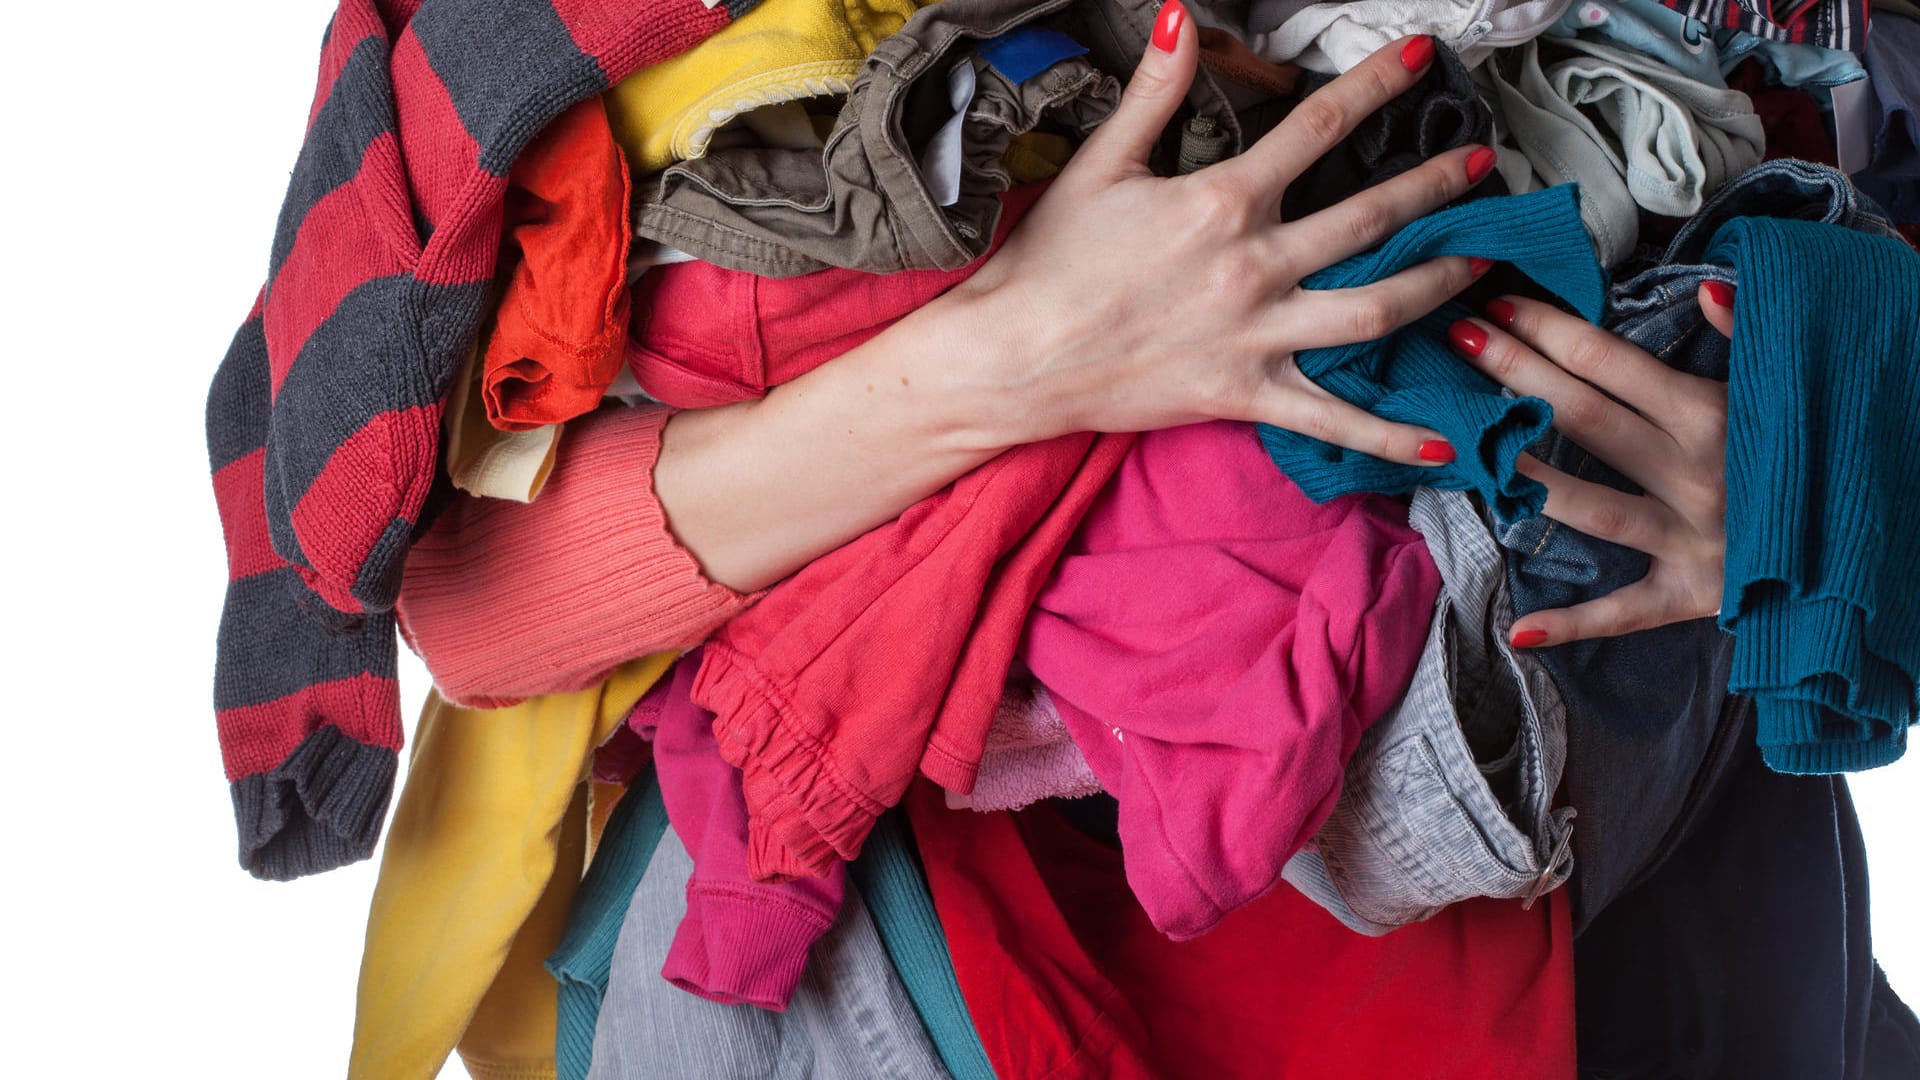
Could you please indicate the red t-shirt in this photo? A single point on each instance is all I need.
(1065, 977)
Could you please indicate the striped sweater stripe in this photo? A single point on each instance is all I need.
(323, 420)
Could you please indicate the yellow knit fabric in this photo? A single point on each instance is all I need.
(782, 50)
(486, 849)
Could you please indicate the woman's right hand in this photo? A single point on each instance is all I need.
(1123, 301)
(1127, 301)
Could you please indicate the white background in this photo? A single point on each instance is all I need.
(147, 150)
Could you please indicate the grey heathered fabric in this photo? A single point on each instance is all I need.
(850, 1019)
(1450, 796)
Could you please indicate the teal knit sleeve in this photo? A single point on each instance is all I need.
(1823, 489)
(1411, 376)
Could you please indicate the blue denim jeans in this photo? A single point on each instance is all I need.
(1648, 713)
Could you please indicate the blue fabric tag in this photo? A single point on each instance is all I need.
(1021, 54)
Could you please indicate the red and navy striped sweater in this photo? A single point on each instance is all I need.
(323, 423)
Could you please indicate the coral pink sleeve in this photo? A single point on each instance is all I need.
(506, 600)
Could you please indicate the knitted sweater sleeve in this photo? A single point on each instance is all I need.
(304, 696)
(323, 422)
(506, 600)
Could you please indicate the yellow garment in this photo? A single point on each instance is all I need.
(482, 459)
(477, 881)
(782, 50)
(512, 1033)
(1036, 155)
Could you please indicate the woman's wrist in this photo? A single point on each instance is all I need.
(759, 489)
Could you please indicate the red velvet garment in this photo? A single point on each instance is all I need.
(1065, 977)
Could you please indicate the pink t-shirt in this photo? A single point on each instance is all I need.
(1216, 642)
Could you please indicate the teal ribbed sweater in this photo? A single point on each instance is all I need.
(583, 962)
(1823, 489)
(1412, 375)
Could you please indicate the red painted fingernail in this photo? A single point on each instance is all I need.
(1439, 450)
(1500, 313)
(1415, 55)
(1166, 28)
(1467, 337)
(1479, 265)
(1720, 293)
(1527, 639)
(1480, 163)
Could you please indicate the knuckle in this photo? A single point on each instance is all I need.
(1382, 82)
(1611, 520)
(1371, 317)
(1588, 354)
(1705, 499)
(1586, 412)
(1368, 220)
(1321, 423)
(1148, 84)
(1318, 120)
(1221, 204)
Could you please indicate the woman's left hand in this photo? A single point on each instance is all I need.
(1672, 442)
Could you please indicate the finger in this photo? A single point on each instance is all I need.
(1633, 445)
(1290, 400)
(1361, 222)
(1716, 303)
(1639, 606)
(1317, 318)
(1664, 396)
(1634, 521)
(1155, 92)
(1330, 114)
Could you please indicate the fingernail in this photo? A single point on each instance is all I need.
(1415, 55)
(1439, 450)
(1166, 28)
(1479, 265)
(1720, 293)
(1500, 313)
(1527, 639)
(1481, 161)
(1467, 337)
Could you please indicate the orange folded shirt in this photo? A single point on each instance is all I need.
(560, 334)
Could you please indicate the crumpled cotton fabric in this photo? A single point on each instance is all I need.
(1335, 37)
(1633, 132)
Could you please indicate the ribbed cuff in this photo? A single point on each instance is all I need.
(504, 600)
(319, 809)
(1805, 737)
(1825, 702)
(742, 948)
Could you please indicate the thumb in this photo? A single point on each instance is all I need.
(1716, 303)
(1156, 90)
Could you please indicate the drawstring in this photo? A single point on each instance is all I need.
(1202, 143)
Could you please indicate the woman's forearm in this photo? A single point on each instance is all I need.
(757, 490)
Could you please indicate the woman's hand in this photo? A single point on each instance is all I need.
(1123, 301)
(1672, 442)
(1128, 302)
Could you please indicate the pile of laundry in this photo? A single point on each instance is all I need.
(1202, 752)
